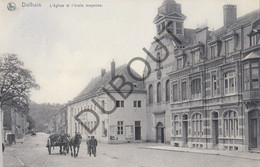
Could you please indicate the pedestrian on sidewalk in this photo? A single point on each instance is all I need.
(88, 146)
(93, 144)
(3, 147)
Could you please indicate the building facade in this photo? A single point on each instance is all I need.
(209, 83)
(126, 124)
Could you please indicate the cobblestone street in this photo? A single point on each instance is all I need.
(33, 153)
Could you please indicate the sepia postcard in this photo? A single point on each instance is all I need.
(148, 83)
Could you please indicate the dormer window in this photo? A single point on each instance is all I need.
(213, 51)
(229, 47)
(197, 51)
(254, 35)
(196, 57)
(254, 39)
(179, 63)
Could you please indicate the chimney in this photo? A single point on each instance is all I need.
(103, 71)
(230, 15)
(113, 69)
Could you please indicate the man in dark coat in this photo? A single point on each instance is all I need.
(93, 144)
(88, 146)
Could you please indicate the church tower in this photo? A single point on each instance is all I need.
(170, 16)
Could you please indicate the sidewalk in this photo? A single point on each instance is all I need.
(234, 154)
(10, 159)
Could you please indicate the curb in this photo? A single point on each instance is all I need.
(217, 154)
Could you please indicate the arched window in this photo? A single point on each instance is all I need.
(159, 93)
(230, 124)
(167, 90)
(150, 94)
(175, 125)
(230, 82)
(197, 125)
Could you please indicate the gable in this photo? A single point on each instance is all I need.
(158, 18)
(177, 15)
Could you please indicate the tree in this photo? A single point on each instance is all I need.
(16, 83)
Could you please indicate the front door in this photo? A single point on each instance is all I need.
(160, 133)
(215, 133)
(137, 130)
(254, 129)
(185, 129)
(253, 133)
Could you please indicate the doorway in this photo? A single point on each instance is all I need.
(215, 133)
(254, 129)
(185, 129)
(160, 133)
(137, 130)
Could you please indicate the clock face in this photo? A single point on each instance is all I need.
(159, 74)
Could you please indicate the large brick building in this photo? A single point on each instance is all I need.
(206, 93)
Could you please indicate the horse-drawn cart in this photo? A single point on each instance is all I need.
(60, 140)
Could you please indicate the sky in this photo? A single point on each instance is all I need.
(67, 47)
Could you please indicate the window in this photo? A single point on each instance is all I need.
(167, 90)
(120, 127)
(158, 28)
(170, 27)
(246, 77)
(179, 63)
(196, 88)
(159, 93)
(230, 124)
(230, 82)
(214, 85)
(213, 51)
(229, 46)
(196, 57)
(119, 103)
(255, 74)
(150, 93)
(175, 93)
(254, 39)
(197, 125)
(104, 130)
(175, 125)
(178, 28)
(103, 104)
(163, 25)
(183, 91)
(137, 104)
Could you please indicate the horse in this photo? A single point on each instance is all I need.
(75, 142)
(63, 141)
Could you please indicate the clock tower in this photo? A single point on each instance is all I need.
(170, 16)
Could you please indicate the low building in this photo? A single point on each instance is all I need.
(127, 123)
(15, 124)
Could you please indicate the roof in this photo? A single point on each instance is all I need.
(252, 55)
(189, 36)
(95, 85)
(245, 19)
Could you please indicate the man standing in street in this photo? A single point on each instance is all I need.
(88, 146)
(93, 144)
